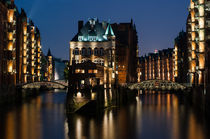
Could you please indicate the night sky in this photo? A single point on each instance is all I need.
(158, 22)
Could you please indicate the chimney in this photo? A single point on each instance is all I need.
(80, 25)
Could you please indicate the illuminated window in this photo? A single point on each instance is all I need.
(10, 46)
(10, 16)
(10, 36)
(90, 71)
(95, 71)
(79, 71)
(10, 66)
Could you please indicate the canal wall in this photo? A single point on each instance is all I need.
(12, 95)
(200, 99)
(8, 94)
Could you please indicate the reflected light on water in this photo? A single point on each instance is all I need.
(152, 115)
(79, 128)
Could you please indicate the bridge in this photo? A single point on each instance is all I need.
(157, 85)
(44, 84)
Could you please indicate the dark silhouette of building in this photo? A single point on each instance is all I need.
(181, 58)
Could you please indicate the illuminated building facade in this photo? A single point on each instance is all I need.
(157, 66)
(20, 47)
(8, 43)
(126, 51)
(93, 45)
(198, 29)
(28, 50)
(50, 67)
(181, 63)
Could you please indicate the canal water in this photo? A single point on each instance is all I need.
(150, 116)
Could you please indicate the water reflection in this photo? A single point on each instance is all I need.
(41, 117)
(152, 115)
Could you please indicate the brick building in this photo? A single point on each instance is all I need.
(158, 66)
(20, 47)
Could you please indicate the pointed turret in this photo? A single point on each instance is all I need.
(49, 53)
(109, 31)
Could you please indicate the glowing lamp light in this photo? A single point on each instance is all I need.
(79, 95)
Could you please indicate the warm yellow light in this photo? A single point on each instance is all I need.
(10, 46)
(201, 61)
(39, 44)
(90, 71)
(193, 65)
(10, 15)
(79, 95)
(32, 71)
(176, 73)
(10, 36)
(24, 53)
(95, 71)
(193, 55)
(193, 26)
(32, 57)
(25, 30)
(24, 60)
(24, 69)
(32, 63)
(32, 37)
(193, 46)
(10, 66)
(201, 47)
(193, 36)
(193, 16)
(25, 38)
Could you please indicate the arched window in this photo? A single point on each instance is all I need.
(83, 51)
(76, 51)
(89, 51)
(96, 51)
(101, 51)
